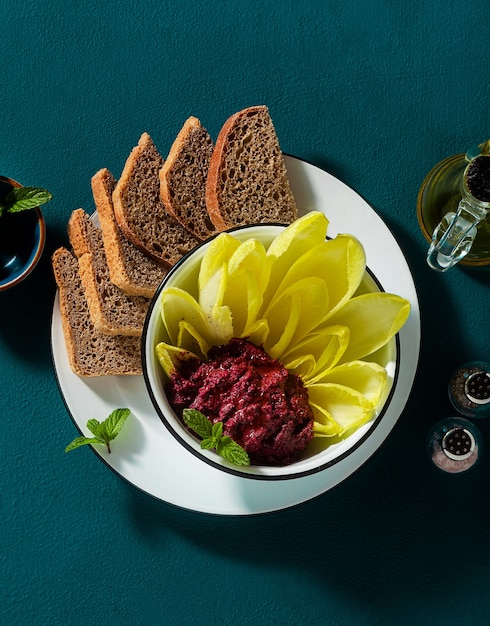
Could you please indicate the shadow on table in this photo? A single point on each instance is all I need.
(397, 527)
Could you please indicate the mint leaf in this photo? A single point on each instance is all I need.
(81, 441)
(93, 425)
(103, 432)
(24, 198)
(217, 430)
(212, 437)
(115, 422)
(233, 452)
(198, 422)
(209, 443)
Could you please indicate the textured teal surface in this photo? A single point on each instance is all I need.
(376, 93)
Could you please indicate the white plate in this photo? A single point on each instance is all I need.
(149, 457)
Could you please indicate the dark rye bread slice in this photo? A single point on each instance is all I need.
(129, 268)
(90, 353)
(247, 180)
(183, 179)
(140, 212)
(112, 311)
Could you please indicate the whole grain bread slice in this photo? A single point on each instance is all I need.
(90, 353)
(140, 212)
(183, 179)
(129, 268)
(112, 311)
(247, 180)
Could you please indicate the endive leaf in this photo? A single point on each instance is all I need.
(295, 313)
(303, 234)
(221, 325)
(340, 262)
(217, 254)
(213, 273)
(170, 357)
(282, 324)
(177, 305)
(251, 255)
(369, 379)
(345, 264)
(257, 333)
(373, 319)
(188, 338)
(337, 409)
(325, 347)
(248, 275)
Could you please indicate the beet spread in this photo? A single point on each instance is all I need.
(263, 407)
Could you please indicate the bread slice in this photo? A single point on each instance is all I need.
(112, 311)
(140, 212)
(247, 180)
(183, 179)
(90, 353)
(131, 270)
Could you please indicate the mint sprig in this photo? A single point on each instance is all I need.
(213, 438)
(24, 198)
(104, 432)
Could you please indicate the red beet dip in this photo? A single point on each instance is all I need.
(263, 407)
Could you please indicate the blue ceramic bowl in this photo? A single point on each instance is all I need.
(22, 239)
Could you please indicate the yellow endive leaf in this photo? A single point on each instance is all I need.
(251, 255)
(369, 379)
(213, 276)
(340, 262)
(345, 265)
(243, 298)
(373, 319)
(188, 338)
(323, 423)
(282, 324)
(303, 234)
(176, 305)
(257, 333)
(187, 325)
(301, 366)
(217, 254)
(248, 274)
(170, 357)
(338, 409)
(221, 325)
(295, 313)
(325, 347)
(298, 237)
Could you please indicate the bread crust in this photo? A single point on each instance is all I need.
(90, 353)
(217, 202)
(161, 236)
(130, 269)
(112, 311)
(188, 163)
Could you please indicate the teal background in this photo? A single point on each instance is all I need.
(374, 91)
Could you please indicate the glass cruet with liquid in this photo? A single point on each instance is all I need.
(454, 210)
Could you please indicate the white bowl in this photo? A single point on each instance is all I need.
(319, 454)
